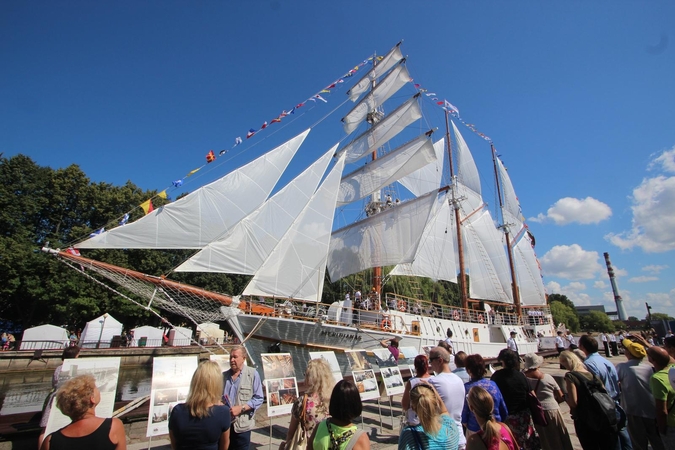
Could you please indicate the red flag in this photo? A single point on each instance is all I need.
(210, 156)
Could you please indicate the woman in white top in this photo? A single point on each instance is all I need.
(422, 373)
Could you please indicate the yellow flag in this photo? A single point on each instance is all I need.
(193, 172)
(162, 194)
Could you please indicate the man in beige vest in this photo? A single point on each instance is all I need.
(243, 394)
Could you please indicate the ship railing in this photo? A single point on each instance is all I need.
(425, 308)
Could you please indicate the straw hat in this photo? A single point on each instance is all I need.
(532, 361)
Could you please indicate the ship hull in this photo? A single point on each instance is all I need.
(485, 339)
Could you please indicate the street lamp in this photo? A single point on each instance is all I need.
(649, 313)
(100, 335)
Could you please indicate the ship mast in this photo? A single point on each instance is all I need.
(455, 206)
(376, 197)
(505, 227)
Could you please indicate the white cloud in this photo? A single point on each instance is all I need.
(571, 291)
(620, 272)
(573, 210)
(655, 269)
(642, 279)
(570, 262)
(653, 227)
(600, 285)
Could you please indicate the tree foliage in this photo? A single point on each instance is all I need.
(564, 314)
(661, 316)
(596, 321)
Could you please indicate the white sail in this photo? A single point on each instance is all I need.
(489, 276)
(530, 284)
(390, 237)
(297, 265)
(435, 256)
(394, 81)
(385, 170)
(428, 177)
(207, 213)
(386, 129)
(466, 167)
(248, 243)
(511, 208)
(387, 62)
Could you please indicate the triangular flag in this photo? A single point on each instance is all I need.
(250, 133)
(162, 194)
(192, 172)
(124, 220)
(210, 156)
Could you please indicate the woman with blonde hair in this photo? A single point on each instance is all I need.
(202, 421)
(77, 399)
(493, 435)
(436, 429)
(588, 437)
(312, 408)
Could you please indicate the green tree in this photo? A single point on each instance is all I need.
(661, 316)
(596, 321)
(564, 314)
(552, 298)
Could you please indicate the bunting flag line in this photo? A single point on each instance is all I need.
(73, 251)
(177, 183)
(162, 194)
(97, 232)
(147, 206)
(125, 219)
(452, 109)
(237, 141)
(210, 157)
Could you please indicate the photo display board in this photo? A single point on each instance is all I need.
(222, 360)
(409, 352)
(332, 361)
(280, 383)
(281, 394)
(104, 370)
(366, 384)
(357, 360)
(384, 357)
(171, 376)
(393, 381)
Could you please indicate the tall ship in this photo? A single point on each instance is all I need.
(395, 198)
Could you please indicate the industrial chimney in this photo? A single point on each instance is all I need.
(620, 310)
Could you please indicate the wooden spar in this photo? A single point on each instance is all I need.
(455, 206)
(164, 282)
(509, 250)
(377, 271)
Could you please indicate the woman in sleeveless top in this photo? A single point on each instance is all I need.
(436, 430)
(338, 432)
(77, 399)
(493, 435)
(319, 383)
(422, 370)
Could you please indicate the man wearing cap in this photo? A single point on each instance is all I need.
(664, 395)
(449, 387)
(636, 397)
(511, 342)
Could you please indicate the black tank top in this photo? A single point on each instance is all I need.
(99, 439)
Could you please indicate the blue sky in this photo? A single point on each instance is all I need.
(577, 96)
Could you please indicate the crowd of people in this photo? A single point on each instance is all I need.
(630, 406)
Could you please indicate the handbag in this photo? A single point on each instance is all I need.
(537, 411)
(299, 439)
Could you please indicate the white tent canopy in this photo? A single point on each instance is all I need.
(180, 337)
(210, 332)
(102, 329)
(44, 337)
(153, 337)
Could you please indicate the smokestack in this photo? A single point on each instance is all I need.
(617, 298)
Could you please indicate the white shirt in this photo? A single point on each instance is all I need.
(571, 340)
(451, 390)
(559, 342)
(604, 337)
(511, 344)
(612, 338)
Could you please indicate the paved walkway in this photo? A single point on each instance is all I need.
(377, 420)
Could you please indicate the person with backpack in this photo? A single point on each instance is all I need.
(606, 372)
(594, 420)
